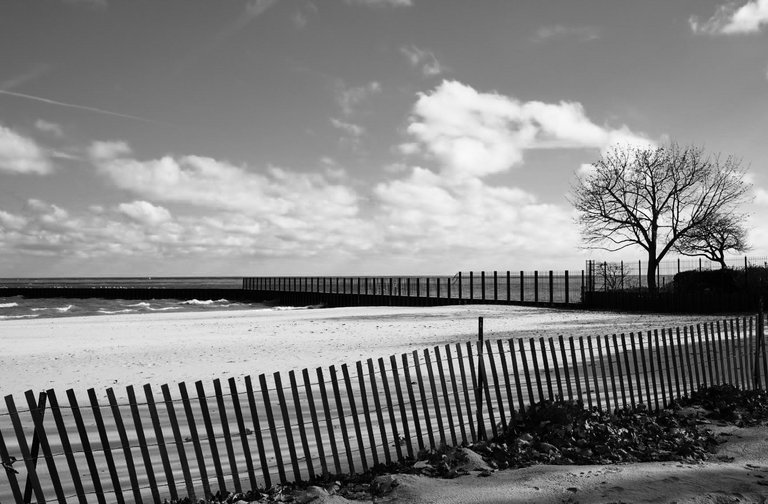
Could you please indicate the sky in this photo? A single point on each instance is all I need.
(329, 137)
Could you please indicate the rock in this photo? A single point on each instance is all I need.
(309, 494)
(384, 484)
(548, 448)
(474, 462)
(421, 464)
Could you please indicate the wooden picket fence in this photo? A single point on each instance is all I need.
(145, 448)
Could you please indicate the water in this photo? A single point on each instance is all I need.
(18, 307)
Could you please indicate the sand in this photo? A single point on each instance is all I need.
(130, 349)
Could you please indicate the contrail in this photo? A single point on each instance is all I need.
(75, 106)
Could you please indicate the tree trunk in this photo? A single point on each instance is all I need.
(651, 273)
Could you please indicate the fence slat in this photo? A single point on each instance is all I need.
(301, 426)
(446, 397)
(106, 449)
(34, 449)
(486, 387)
(703, 360)
(272, 428)
(315, 421)
(243, 433)
(86, 444)
(675, 351)
(507, 387)
(619, 370)
(628, 368)
(595, 381)
(694, 354)
(465, 387)
(545, 363)
(126, 446)
(367, 413)
(353, 412)
(666, 363)
(342, 420)
(435, 397)
(585, 366)
(611, 360)
(719, 337)
(379, 414)
(526, 372)
(455, 390)
(651, 348)
(390, 411)
(606, 390)
(226, 433)
(728, 350)
(37, 410)
(65, 446)
(139, 427)
(282, 403)
(575, 364)
(566, 372)
(740, 350)
(750, 355)
(178, 441)
(556, 367)
(711, 358)
(403, 409)
(160, 441)
(539, 387)
(257, 431)
(479, 423)
(662, 384)
(424, 400)
(6, 461)
(412, 400)
(638, 380)
(21, 437)
(193, 433)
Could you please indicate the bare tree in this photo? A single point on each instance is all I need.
(714, 237)
(652, 197)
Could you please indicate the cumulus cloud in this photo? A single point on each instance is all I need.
(349, 97)
(423, 59)
(49, 127)
(729, 19)
(352, 130)
(559, 32)
(474, 134)
(381, 3)
(145, 212)
(20, 154)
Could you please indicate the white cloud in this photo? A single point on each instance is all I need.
(761, 196)
(349, 97)
(732, 20)
(256, 8)
(20, 154)
(423, 59)
(558, 32)
(145, 212)
(49, 127)
(473, 134)
(353, 130)
(381, 3)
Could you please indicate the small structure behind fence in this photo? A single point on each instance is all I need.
(192, 441)
(562, 288)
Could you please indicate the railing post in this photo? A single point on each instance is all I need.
(495, 286)
(471, 285)
(567, 288)
(482, 285)
(509, 292)
(522, 286)
(551, 288)
(536, 286)
(460, 289)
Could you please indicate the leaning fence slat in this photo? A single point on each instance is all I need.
(446, 397)
(675, 350)
(719, 337)
(651, 348)
(272, 428)
(619, 370)
(556, 367)
(728, 350)
(37, 410)
(628, 369)
(566, 372)
(526, 372)
(539, 387)
(403, 409)
(287, 425)
(750, 355)
(160, 441)
(227, 434)
(65, 446)
(662, 384)
(455, 390)
(740, 350)
(379, 413)
(211, 434)
(21, 437)
(666, 346)
(611, 360)
(243, 433)
(10, 472)
(585, 367)
(105, 446)
(603, 374)
(695, 353)
(120, 427)
(575, 364)
(341, 417)
(479, 423)
(435, 397)
(257, 431)
(86, 444)
(638, 381)
(179, 441)
(412, 400)
(545, 363)
(465, 387)
(301, 427)
(367, 413)
(764, 352)
(353, 412)
(390, 411)
(711, 358)
(193, 433)
(703, 347)
(595, 381)
(688, 370)
(315, 422)
(486, 387)
(496, 380)
(424, 400)
(140, 436)
(34, 449)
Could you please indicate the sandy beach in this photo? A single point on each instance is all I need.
(121, 350)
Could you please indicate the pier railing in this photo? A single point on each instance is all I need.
(142, 446)
(495, 287)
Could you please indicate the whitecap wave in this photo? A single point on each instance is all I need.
(11, 317)
(8, 305)
(165, 309)
(64, 309)
(204, 302)
(113, 312)
(40, 309)
(143, 304)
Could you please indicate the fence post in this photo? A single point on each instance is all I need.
(567, 288)
(640, 274)
(460, 289)
(481, 435)
(509, 293)
(495, 286)
(536, 286)
(522, 286)
(471, 285)
(482, 285)
(551, 288)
